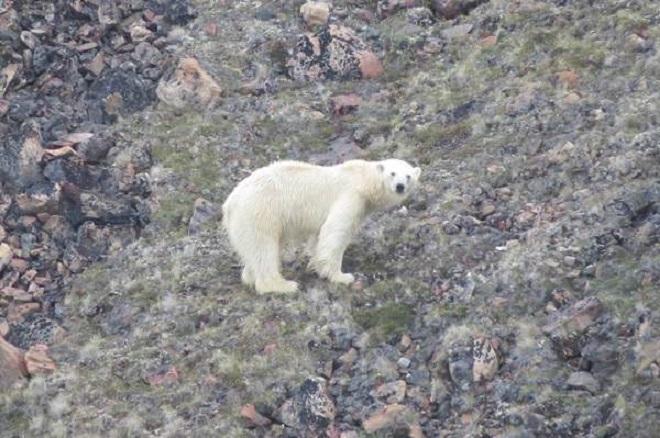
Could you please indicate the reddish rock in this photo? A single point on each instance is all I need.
(16, 312)
(189, 85)
(37, 360)
(370, 65)
(344, 103)
(19, 265)
(164, 378)
(270, 349)
(568, 78)
(12, 365)
(254, 418)
(211, 28)
(488, 41)
(389, 416)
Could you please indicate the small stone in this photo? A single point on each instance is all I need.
(211, 29)
(403, 362)
(458, 31)
(487, 209)
(404, 343)
(19, 265)
(4, 327)
(139, 33)
(254, 418)
(392, 392)
(582, 380)
(315, 13)
(37, 360)
(568, 78)
(488, 41)
(3, 234)
(96, 65)
(344, 103)
(169, 376)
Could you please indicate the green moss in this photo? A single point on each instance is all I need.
(174, 211)
(437, 134)
(387, 320)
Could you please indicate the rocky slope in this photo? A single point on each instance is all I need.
(516, 294)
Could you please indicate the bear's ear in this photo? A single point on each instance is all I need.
(417, 171)
(380, 167)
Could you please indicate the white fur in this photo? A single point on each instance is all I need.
(294, 202)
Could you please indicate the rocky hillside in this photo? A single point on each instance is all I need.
(516, 294)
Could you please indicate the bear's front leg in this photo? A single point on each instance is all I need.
(335, 235)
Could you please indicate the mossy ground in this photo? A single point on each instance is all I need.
(476, 119)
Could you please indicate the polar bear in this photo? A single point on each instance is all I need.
(291, 202)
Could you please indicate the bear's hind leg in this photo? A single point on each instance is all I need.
(266, 269)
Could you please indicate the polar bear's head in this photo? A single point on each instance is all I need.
(400, 178)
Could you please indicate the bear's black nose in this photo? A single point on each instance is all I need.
(400, 188)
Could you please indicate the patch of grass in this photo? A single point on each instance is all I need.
(436, 134)
(387, 320)
(175, 211)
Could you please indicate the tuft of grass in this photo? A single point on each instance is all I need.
(388, 320)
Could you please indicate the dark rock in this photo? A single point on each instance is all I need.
(127, 91)
(177, 12)
(566, 328)
(450, 9)
(460, 365)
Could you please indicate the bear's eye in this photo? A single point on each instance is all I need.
(408, 177)
(393, 173)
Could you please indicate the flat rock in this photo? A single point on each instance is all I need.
(583, 380)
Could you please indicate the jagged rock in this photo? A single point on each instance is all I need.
(37, 360)
(566, 328)
(39, 198)
(334, 52)
(189, 86)
(485, 360)
(254, 418)
(311, 408)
